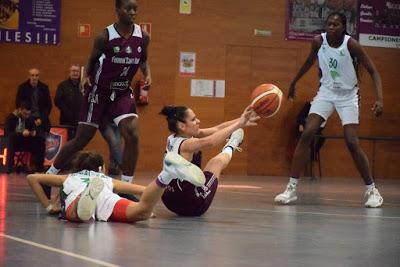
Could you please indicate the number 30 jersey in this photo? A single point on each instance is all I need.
(120, 61)
(336, 67)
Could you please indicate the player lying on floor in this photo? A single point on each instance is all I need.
(88, 193)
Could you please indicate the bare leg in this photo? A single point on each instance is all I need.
(359, 157)
(143, 209)
(218, 163)
(302, 153)
(83, 136)
(130, 132)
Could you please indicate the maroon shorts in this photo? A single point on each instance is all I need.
(185, 199)
(101, 105)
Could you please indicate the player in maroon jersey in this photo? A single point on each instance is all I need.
(118, 52)
(187, 140)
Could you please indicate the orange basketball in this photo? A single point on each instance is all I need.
(266, 100)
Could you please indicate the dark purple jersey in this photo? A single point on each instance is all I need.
(182, 197)
(120, 61)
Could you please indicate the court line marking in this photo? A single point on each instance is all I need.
(313, 213)
(239, 186)
(60, 251)
(321, 198)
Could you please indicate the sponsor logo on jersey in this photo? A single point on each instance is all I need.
(128, 50)
(125, 60)
(119, 84)
(334, 74)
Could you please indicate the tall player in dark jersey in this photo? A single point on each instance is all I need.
(118, 52)
(187, 140)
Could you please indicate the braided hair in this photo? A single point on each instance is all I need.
(174, 114)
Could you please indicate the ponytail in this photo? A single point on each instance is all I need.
(174, 114)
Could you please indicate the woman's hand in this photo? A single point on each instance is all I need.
(248, 117)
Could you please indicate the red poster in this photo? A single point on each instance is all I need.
(54, 142)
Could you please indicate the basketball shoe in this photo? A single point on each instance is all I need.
(178, 167)
(374, 199)
(235, 140)
(87, 203)
(289, 195)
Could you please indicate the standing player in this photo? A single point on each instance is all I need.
(339, 57)
(187, 140)
(117, 54)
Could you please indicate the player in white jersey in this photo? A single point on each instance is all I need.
(88, 193)
(188, 139)
(339, 57)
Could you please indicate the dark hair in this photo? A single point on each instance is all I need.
(24, 105)
(118, 3)
(174, 114)
(87, 160)
(342, 18)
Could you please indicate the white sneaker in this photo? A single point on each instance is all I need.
(235, 140)
(288, 196)
(374, 199)
(183, 170)
(87, 203)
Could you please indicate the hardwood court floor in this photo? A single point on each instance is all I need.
(328, 227)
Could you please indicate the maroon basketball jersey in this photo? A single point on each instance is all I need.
(120, 61)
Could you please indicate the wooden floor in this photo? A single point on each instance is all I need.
(328, 227)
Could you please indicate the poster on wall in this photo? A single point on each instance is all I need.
(207, 88)
(306, 18)
(54, 142)
(187, 63)
(380, 23)
(185, 7)
(30, 21)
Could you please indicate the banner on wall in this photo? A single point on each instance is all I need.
(380, 23)
(54, 142)
(30, 21)
(306, 18)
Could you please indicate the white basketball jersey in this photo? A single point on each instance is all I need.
(338, 73)
(174, 143)
(76, 183)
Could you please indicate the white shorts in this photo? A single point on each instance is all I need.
(348, 109)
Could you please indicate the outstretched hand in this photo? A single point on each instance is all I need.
(248, 117)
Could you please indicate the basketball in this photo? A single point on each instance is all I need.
(266, 100)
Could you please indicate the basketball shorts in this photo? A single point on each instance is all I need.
(348, 109)
(100, 105)
(185, 199)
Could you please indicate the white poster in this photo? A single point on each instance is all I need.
(207, 88)
(187, 63)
